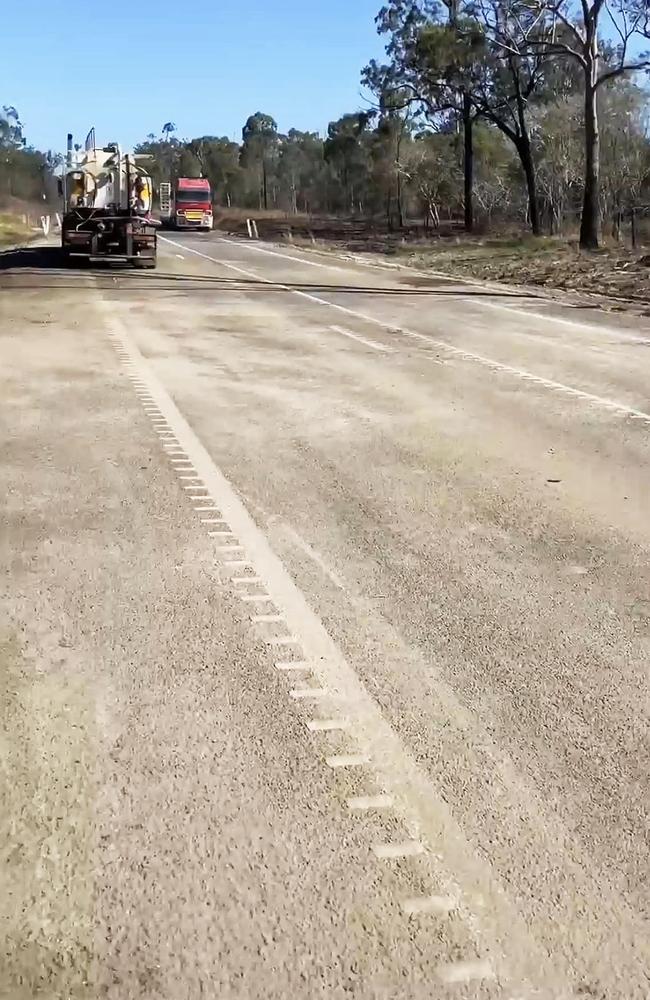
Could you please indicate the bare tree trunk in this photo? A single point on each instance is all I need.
(528, 166)
(265, 188)
(468, 162)
(527, 162)
(590, 221)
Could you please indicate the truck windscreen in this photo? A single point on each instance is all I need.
(200, 197)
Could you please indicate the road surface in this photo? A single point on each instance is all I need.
(325, 634)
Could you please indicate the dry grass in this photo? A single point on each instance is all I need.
(13, 229)
(615, 274)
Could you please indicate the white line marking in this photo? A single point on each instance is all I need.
(362, 340)
(364, 803)
(238, 563)
(282, 640)
(462, 280)
(212, 520)
(347, 760)
(428, 904)
(442, 344)
(246, 579)
(313, 555)
(300, 694)
(192, 479)
(465, 972)
(229, 548)
(220, 534)
(210, 509)
(292, 665)
(255, 598)
(453, 859)
(274, 253)
(266, 619)
(195, 487)
(327, 725)
(399, 849)
(180, 256)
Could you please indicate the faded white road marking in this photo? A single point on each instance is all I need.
(465, 972)
(283, 640)
(254, 598)
(292, 665)
(480, 359)
(286, 256)
(327, 725)
(313, 555)
(246, 579)
(366, 803)
(347, 760)
(452, 861)
(267, 619)
(428, 904)
(343, 330)
(302, 694)
(399, 849)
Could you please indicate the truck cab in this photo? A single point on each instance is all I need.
(186, 203)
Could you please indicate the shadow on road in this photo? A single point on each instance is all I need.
(49, 258)
(45, 258)
(122, 278)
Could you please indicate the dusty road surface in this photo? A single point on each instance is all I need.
(325, 634)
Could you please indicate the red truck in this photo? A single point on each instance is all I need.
(187, 203)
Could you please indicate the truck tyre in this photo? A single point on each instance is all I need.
(144, 263)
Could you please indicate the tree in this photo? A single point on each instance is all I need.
(431, 169)
(573, 28)
(301, 170)
(434, 62)
(511, 79)
(25, 172)
(347, 151)
(260, 149)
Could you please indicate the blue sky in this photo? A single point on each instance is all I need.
(127, 67)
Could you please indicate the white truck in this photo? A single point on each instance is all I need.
(107, 205)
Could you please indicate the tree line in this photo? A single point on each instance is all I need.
(26, 174)
(518, 113)
(529, 112)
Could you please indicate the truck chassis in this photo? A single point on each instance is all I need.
(99, 234)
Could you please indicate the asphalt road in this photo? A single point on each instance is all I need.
(325, 634)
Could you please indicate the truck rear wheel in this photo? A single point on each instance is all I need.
(144, 263)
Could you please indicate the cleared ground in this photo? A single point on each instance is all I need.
(325, 636)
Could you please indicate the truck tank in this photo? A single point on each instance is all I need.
(108, 198)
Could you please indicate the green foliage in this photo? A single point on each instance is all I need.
(25, 173)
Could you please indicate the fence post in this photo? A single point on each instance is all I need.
(254, 225)
(250, 231)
